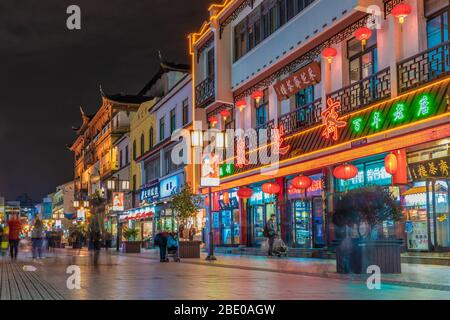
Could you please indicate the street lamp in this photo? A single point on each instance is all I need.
(197, 141)
(117, 185)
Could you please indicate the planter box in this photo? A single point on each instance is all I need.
(364, 253)
(189, 249)
(131, 246)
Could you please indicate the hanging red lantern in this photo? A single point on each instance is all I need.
(329, 54)
(241, 104)
(245, 193)
(363, 34)
(225, 114)
(213, 120)
(345, 171)
(271, 188)
(258, 95)
(401, 11)
(302, 182)
(391, 163)
(226, 197)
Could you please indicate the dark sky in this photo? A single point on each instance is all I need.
(47, 72)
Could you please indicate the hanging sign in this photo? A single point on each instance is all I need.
(210, 170)
(150, 194)
(303, 78)
(435, 168)
(118, 201)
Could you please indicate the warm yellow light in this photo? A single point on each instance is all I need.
(196, 138)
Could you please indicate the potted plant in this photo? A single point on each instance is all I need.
(185, 204)
(362, 212)
(131, 245)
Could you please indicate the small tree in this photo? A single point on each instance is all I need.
(369, 205)
(185, 204)
(131, 234)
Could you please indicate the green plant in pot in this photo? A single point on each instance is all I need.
(185, 204)
(131, 234)
(363, 211)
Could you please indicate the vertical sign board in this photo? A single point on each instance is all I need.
(118, 201)
(210, 170)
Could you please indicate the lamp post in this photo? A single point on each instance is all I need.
(196, 142)
(116, 185)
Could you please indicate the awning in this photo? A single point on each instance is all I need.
(423, 189)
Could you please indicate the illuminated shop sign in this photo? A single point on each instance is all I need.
(303, 78)
(435, 168)
(355, 127)
(368, 174)
(226, 169)
(150, 194)
(169, 185)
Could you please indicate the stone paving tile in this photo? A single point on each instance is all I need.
(131, 277)
(416, 275)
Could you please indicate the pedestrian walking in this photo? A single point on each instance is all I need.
(161, 241)
(15, 227)
(95, 238)
(108, 240)
(270, 232)
(36, 238)
(4, 239)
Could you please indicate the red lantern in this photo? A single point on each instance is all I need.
(302, 182)
(363, 34)
(213, 120)
(345, 171)
(244, 193)
(241, 104)
(225, 114)
(401, 11)
(271, 188)
(258, 95)
(329, 54)
(391, 163)
(226, 197)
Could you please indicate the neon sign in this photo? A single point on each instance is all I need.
(330, 120)
(399, 113)
(279, 145)
(377, 120)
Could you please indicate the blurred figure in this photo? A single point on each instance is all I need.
(3, 239)
(192, 233)
(108, 240)
(36, 238)
(161, 241)
(15, 228)
(95, 238)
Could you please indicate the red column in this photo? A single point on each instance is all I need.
(284, 215)
(243, 221)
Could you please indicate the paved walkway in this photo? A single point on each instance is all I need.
(413, 275)
(143, 277)
(18, 284)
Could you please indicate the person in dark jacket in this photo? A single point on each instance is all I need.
(161, 242)
(271, 232)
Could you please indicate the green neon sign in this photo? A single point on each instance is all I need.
(226, 169)
(399, 113)
(377, 120)
(424, 106)
(357, 124)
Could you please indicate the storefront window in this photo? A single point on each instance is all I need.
(370, 173)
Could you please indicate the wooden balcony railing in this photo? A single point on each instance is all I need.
(424, 67)
(204, 92)
(301, 118)
(364, 92)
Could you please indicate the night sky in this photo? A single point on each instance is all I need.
(48, 71)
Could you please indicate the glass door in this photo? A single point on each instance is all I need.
(302, 223)
(317, 209)
(442, 205)
(258, 225)
(226, 227)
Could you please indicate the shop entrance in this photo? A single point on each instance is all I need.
(427, 212)
(259, 216)
(307, 223)
(229, 221)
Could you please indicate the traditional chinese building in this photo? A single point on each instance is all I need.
(363, 84)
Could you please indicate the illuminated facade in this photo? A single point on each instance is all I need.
(343, 82)
(98, 145)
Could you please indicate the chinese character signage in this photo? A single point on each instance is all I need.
(169, 185)
(436, 168)
(118, 201)
(304, 78)
(150, 194)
